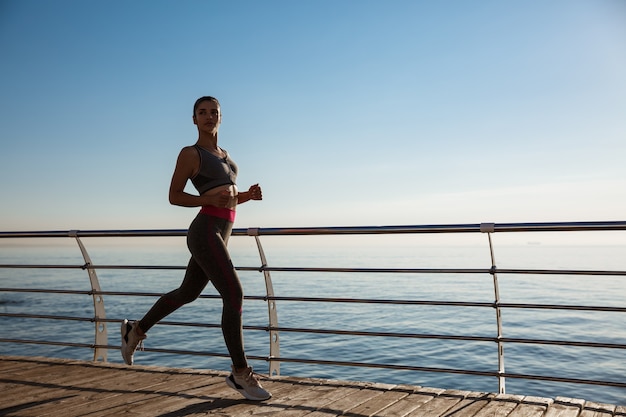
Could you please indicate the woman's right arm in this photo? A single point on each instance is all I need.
(186, 166)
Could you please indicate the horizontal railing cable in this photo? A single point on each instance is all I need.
(343, 332)
(532, 306)
(355, 230)
(617, 384)
(517, 271)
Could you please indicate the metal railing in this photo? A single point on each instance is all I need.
(273, 328)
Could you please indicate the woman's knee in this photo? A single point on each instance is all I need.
(234, 303)
(178, 298)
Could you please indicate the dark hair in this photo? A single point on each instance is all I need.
(204, 98)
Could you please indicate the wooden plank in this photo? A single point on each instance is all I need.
(342, 398)
(377, 403)
(439, 405)
(592, 409)
(565, 407)
(308, 396)
(531, 407)
(408, 402)
(471, 404)
(500, 405)
(13, 364)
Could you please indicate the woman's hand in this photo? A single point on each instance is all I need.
(220, 199)
(255, 192)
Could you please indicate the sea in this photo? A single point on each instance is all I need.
(600, 251)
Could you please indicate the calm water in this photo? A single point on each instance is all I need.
(403, 251)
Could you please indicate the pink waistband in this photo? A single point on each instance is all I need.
(221, 212)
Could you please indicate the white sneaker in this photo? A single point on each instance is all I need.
(248, 385)
(130, 340)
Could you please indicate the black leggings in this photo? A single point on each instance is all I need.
(207, 239)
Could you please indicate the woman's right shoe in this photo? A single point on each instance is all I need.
(130, 340)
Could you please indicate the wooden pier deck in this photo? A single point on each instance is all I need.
(36, 386)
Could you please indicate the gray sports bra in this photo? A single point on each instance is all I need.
(214, 171)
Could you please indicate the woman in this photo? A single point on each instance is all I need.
(213, 174)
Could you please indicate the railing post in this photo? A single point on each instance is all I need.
(490, 228)
(274, 365)
(100, 338)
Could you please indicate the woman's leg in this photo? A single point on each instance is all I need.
(208, 248)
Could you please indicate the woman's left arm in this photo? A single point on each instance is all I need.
(253, 193)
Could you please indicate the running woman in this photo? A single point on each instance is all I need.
(213, 173)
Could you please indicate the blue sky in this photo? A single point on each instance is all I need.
(346, 112)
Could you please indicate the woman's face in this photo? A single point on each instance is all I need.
(208, 116)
